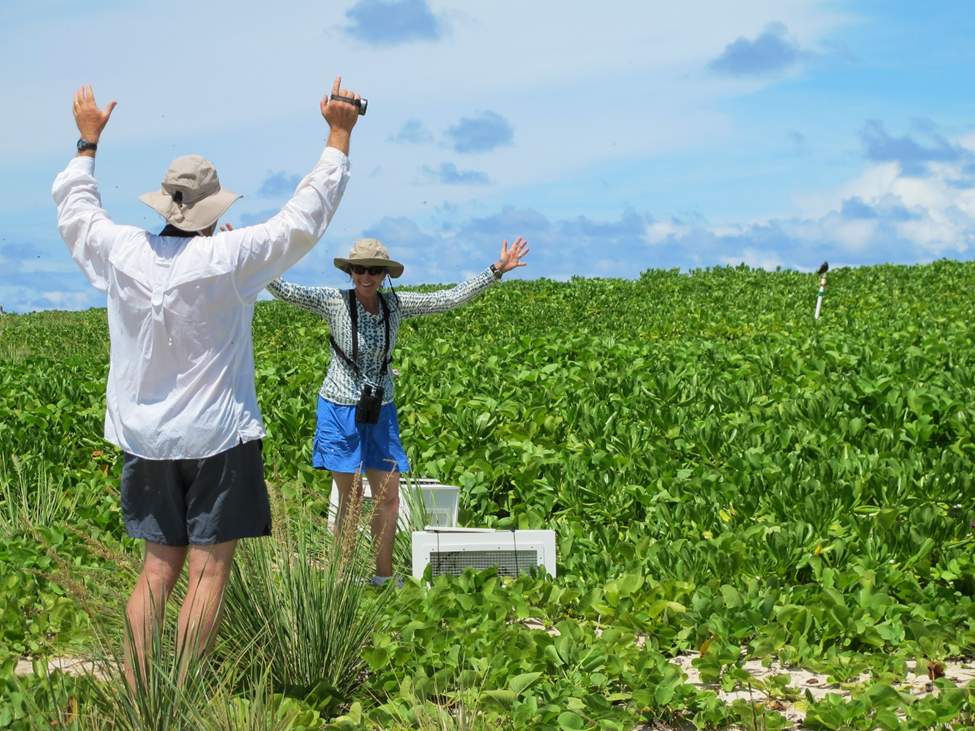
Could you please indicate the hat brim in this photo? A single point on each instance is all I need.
(394, 268)
(194, 217)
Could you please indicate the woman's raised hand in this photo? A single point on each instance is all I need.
(511, 258)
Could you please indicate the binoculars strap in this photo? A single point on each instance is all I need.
(354, 317)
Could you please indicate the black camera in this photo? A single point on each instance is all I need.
(361, 104)
(370, 401)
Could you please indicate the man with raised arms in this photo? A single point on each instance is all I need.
(181, 400)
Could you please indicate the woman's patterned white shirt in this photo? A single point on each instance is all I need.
(332, 304)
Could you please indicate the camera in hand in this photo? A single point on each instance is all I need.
(361, 104)
(370, 401)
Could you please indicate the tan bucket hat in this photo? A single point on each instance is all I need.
(369, 253)
(191, 197)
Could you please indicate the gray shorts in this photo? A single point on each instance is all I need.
(181, 502)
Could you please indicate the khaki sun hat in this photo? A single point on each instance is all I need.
(191, 197)
(369, 253)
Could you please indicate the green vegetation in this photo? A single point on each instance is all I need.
(725, 475)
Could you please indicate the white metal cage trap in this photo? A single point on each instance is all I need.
(451, 550)
(437, 504)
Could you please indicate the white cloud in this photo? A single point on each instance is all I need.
(660, 231)
(67, 300)
(757, 259)
(881, 215)
(853, 236)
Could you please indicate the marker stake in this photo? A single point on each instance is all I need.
(822, 287)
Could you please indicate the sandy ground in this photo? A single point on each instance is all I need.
(960, 673)
(67, 665)
(799, 680)
(816, 684)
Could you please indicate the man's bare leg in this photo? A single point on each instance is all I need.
(147, 605)
(202, 610)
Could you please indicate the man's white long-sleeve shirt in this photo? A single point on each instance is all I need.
(181, 377)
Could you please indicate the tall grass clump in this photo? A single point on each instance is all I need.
(171, 687)
(171, 693)
(302, 605)
(31, 496)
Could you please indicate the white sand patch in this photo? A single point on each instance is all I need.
(800, 681)
(67, 665)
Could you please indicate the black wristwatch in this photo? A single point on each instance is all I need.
(84, 144)
(497, 272)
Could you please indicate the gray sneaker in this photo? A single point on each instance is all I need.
(378, 581)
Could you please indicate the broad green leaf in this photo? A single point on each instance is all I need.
(569, 721)
(520, 683)
(503, 699)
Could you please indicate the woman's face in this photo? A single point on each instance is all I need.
(367, 284)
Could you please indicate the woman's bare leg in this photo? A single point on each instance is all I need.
(385, 492)
(349, 486)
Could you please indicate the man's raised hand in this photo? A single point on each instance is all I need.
(340, 113)
(341, 116)
(91, 119)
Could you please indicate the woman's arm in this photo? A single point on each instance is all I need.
(313, 299)
(415, 303)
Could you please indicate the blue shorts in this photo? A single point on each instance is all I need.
(341, 445)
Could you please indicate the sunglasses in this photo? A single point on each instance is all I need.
(374, 271)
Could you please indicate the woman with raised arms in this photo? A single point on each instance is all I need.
(358, 427)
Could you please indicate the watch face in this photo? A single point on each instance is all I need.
(84, 144)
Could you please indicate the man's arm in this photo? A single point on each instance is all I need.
(84, 225)
(90, 119)
(267, 250)
(341, 117)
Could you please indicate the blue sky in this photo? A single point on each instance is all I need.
(615, 136)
